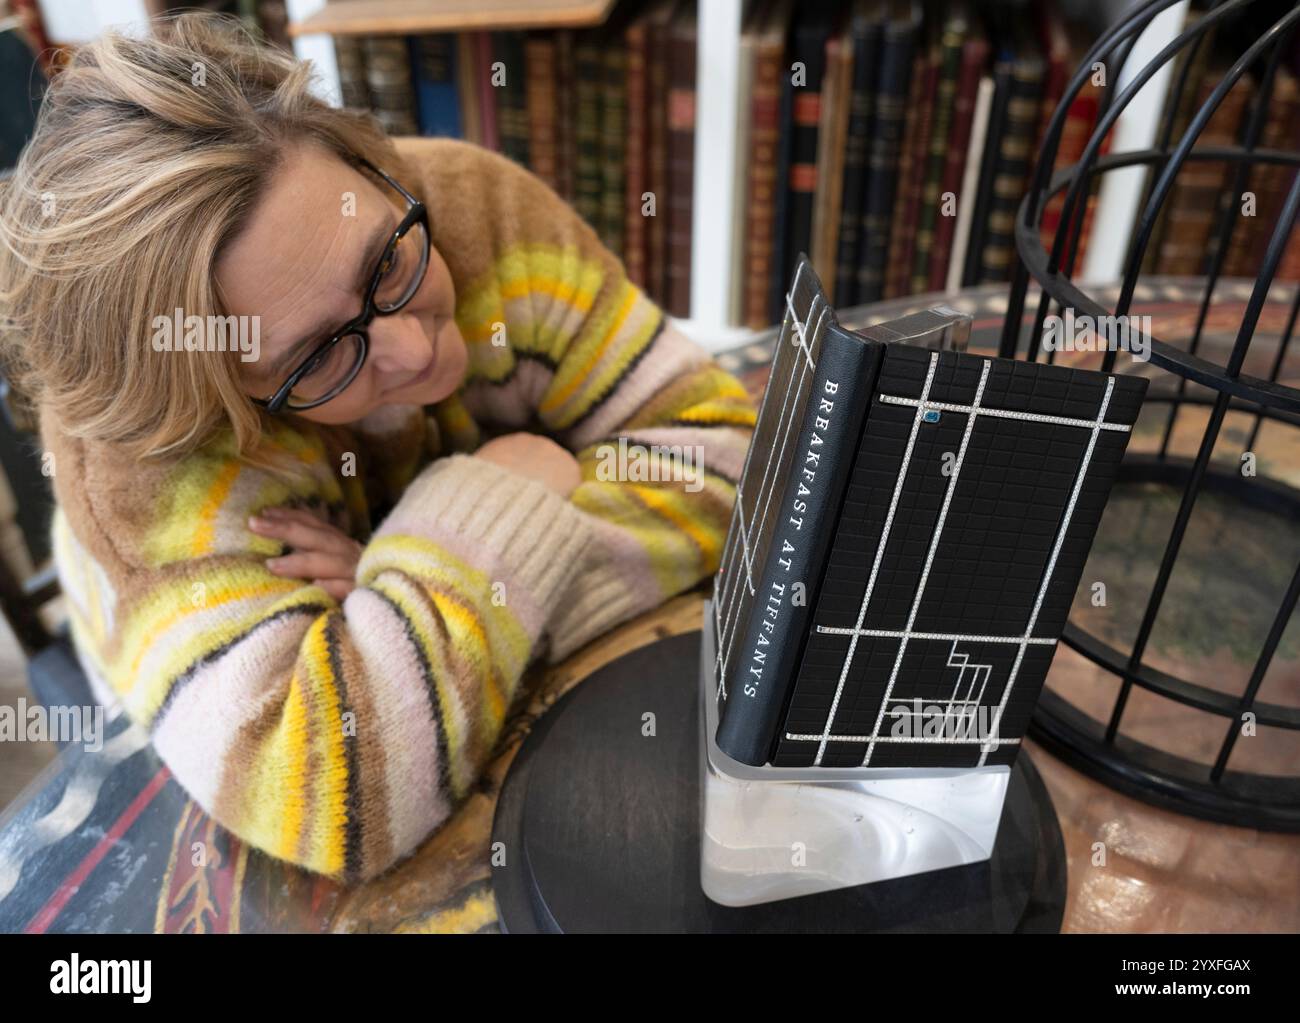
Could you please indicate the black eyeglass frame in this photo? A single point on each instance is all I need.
(417, 213)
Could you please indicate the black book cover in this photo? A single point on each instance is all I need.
(939, 541)
(976, 494)
(865, 28)
(790, 497)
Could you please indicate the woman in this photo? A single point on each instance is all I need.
(326, 416)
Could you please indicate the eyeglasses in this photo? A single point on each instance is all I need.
(334, 364)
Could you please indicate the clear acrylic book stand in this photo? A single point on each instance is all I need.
(770, 833)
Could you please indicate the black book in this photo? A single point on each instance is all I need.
(791, 490)
(942, 540)
(901, 35)
(1015, 152)
(808, 49)
(1003, 82)
(865, 27)
(780, 205)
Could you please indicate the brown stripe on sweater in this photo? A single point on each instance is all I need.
(235, 797)
(477, 744)
(365, 841)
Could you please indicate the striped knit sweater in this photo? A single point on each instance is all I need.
(336, 735)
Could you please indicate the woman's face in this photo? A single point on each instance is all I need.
(302, 264)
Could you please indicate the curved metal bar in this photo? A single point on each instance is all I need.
(1247, 703)
(1199, 121)
(1267, 802)
(1138, 20)
(1227, 216)
(1109, 116)
(1105, 123)
(1283, 344)
(1163, 355)
(1179, 690)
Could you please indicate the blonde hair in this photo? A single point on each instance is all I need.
(148, 156)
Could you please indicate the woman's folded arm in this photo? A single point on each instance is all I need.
(333, 735)
(562, 342)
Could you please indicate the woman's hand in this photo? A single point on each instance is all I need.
(321, 553)
(530, 454)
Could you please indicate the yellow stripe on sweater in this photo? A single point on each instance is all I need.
(204, 529)
(291, 770)
(327, 833)
(143, 696)
(580, 375)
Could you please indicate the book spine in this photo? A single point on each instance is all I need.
(765, 131)
(512, 110)
(1079, 120)
(681, 163)
(824, 174)
(565, 114)
(974, 54)
(433, 64)
(1250, 239)
(539, 53)
(468, 74)
(951, 41)
(777, 278)
(587, 184)
(1180, 115)
(1194, 200)
(740, 194)
(1015, 156)
(866, 42)
(613, 142)
(805, 117)
(388, 76)
(350, 55)
(488, 93)
(988, 165)
(635, 181)
(830, 174)
(657, 161)
(824, 453)
(882, 157)
(975, 150)
(902, 225)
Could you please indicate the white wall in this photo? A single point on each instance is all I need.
(79, 21)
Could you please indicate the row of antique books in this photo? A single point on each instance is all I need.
(890, 140)
(898, 161)
(603, 115)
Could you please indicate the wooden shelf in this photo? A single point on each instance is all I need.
(415, 17)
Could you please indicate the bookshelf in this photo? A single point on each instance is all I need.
(407, 17)
(313, 24)
(716, 159)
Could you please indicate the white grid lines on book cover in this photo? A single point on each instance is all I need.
(767, 468)
(971, 508)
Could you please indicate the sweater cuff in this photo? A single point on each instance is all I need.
(517, 527)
